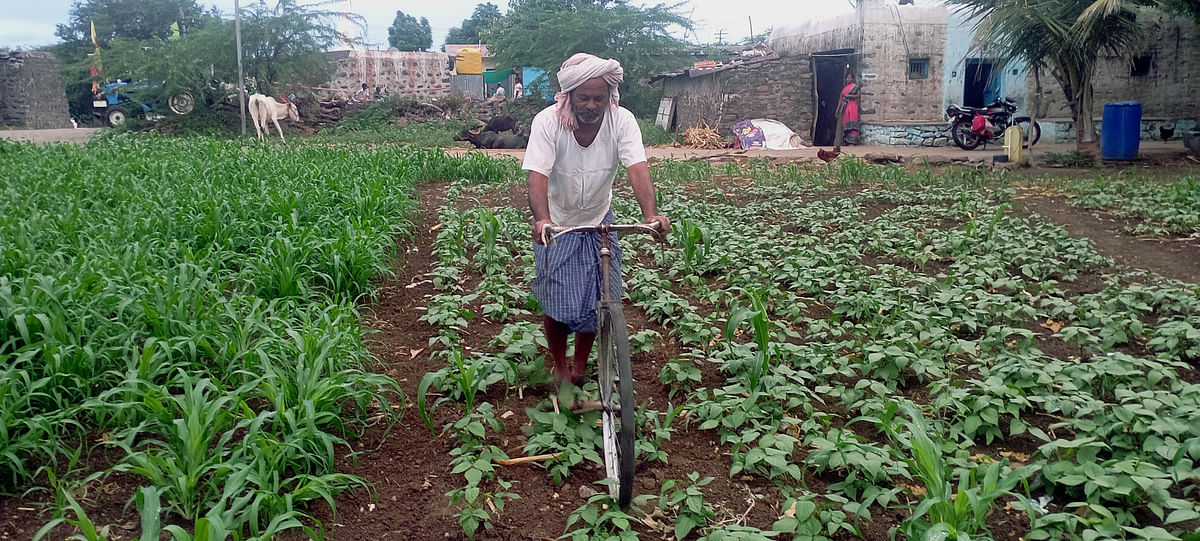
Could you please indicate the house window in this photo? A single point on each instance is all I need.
(1140, 66)
(918, 68)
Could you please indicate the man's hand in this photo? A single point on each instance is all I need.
(538, 227)
(664, 224)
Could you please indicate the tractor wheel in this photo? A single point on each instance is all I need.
(116, 116)
(182, 103)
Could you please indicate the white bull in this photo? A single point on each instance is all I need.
(264, 108)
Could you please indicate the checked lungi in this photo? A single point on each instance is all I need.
(567, 283)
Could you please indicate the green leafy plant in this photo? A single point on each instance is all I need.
(573, 437)
(945, 510)
(760, 323)
(686, 503)
(601, 518)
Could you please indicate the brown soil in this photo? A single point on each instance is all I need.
(408, 466)
(1171, 257)
(410, 472)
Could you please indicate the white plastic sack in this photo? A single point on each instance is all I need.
(777, 136)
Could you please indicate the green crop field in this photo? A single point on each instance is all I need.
(866, 351)
(862, 341)
(193, 304)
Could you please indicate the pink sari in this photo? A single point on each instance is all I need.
(850, 121)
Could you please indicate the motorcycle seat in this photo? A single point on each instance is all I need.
(972, 110)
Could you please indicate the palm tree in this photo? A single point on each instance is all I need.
(1066, 37)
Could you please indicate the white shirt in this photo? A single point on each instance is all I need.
(517, 90)
(581, 178)
(499, 92)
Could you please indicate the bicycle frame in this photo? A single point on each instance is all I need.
(613, 370)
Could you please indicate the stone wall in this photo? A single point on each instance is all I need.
(420, 75)
(907, 135)
(886, 36)
(31, 91)
(1168, 92)
(778, 88)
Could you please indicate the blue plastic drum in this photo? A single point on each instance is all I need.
(1121, 130)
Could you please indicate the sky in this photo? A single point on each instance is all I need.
(29, 24)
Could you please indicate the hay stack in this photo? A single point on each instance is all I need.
(702, 137)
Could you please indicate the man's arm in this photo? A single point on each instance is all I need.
(539, 203)
(643, 191)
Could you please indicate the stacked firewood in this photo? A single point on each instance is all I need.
(330, 113)
(702, 137)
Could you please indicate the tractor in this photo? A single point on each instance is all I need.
(115, 101)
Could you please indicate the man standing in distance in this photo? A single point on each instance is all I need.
(575, 147)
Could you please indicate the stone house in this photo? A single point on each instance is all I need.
(914, 60)
(766, 85)
(1164, 77)
(897, 54)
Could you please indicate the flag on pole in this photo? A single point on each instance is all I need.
(96, 65)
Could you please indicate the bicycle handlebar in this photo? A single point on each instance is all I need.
(551, 232)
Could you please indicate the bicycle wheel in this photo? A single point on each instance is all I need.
(615, 376)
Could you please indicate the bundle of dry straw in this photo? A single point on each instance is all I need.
(702, 137)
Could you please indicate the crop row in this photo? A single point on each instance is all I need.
(894, 333)
(192, 304)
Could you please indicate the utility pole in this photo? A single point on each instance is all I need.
(721, 36)
(237, 33)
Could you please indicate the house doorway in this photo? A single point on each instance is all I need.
(982, 83)
(829, 74)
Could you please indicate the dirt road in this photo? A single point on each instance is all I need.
(62, 135)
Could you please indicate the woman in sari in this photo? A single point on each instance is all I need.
(849, 107)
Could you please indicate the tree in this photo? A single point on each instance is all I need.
(543, 33)
(760, 38)
(469, 31)
(1066, 37)
(1191, 8)
(129, 19)
(407, 34)
(280, 45)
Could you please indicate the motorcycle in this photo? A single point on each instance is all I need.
(972, 126)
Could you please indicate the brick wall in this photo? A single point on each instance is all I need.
(778, 89)
(421, 75)
(31, 91)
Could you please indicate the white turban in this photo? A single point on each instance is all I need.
(576, 71)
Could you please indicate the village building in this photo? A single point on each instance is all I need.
(912, 61)
(761, 84)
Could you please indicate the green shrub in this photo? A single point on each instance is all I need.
(653, 134)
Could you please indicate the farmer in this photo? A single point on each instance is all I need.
(575, 147)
